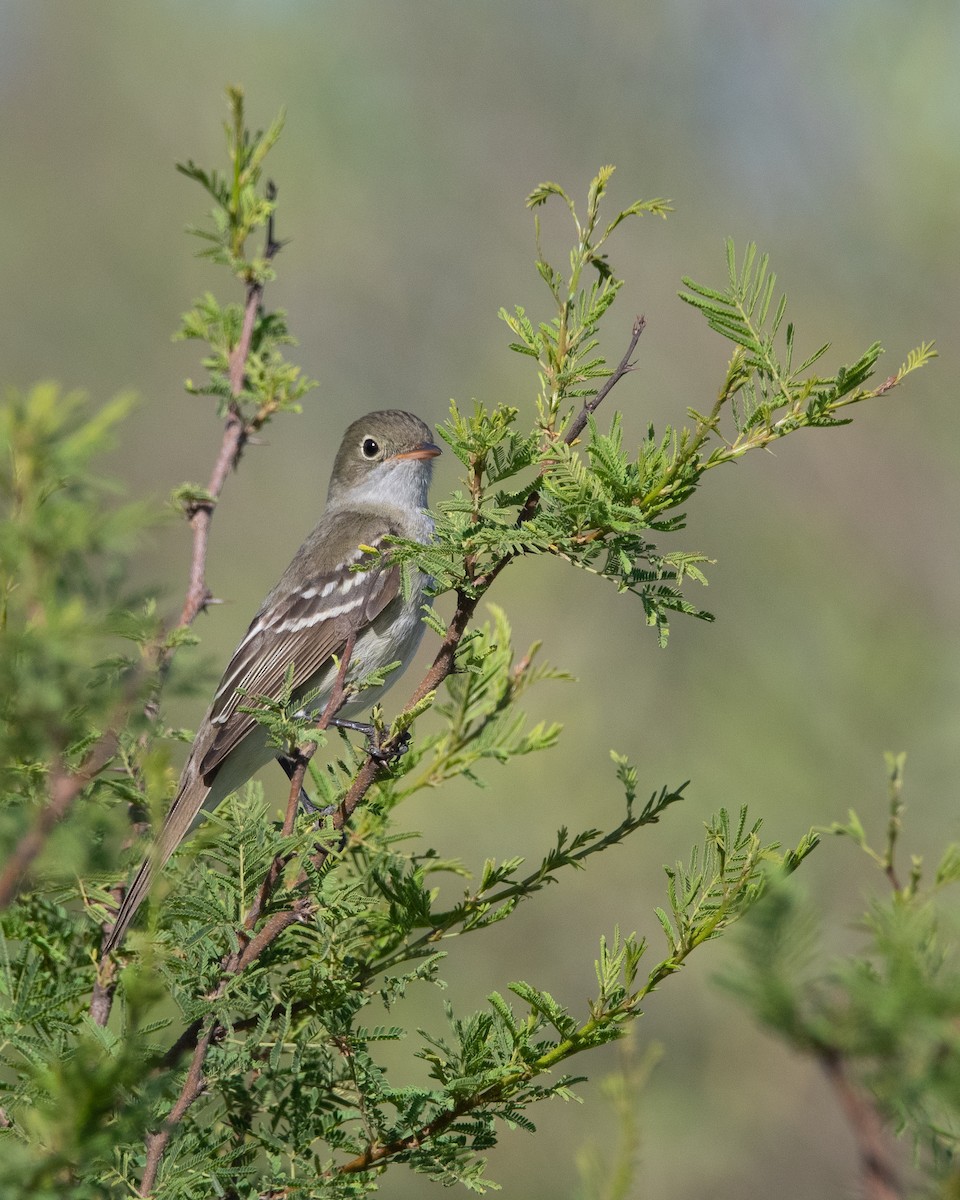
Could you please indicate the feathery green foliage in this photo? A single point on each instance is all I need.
(270, 384)
(234, 1047)
(73, 632)
(887, 1016)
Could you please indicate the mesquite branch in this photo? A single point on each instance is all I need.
(64, 788)
(66, 785)
(878, 1173)
(623, 367)
(236, 432)
(443, 664)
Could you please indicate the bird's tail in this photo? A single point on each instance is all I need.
(187, 805)
(196, 791)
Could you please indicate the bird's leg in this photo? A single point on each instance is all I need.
(324, 720)
(369, 731)
(290, 767)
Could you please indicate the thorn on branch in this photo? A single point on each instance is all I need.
(205, 601)
(623, 367)
(273, 247)
(192, 507)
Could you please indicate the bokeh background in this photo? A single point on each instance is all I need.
(829, 133)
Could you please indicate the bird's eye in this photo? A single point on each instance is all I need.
(369, 447)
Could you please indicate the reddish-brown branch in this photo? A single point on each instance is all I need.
(65, 786)
(193, 1085)
(444, 660)
(878, 1170)
(201, 516)
(236, 431)
(238, 358)
(375, 1155)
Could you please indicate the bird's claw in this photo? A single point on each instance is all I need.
(374, 748)
(399, 748)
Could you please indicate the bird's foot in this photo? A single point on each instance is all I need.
(374, 748)
(290, 767)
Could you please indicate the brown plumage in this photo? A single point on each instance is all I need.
(378, 490)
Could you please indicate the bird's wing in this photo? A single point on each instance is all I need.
(310, 625)
(314, 622)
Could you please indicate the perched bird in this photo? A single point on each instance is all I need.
(320, 610)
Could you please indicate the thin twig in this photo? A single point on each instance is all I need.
(201, 515)
(236, 432)
(375, 1155)
(65, 786)
(878, 1172)
(192, 1087)
(623, 367)
(590, 406)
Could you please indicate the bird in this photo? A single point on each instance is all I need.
(321, 613)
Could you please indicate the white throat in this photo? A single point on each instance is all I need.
(399, 487)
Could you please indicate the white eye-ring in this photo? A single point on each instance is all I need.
(369, 447)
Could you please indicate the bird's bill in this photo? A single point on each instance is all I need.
(424, 450)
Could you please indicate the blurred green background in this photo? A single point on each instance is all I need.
(826, 131)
